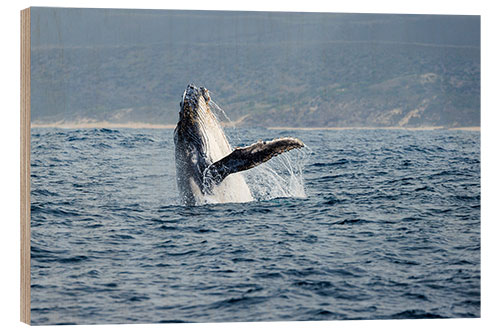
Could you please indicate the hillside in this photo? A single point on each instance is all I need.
(281, 69)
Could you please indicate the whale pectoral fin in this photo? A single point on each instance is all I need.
(245, 158)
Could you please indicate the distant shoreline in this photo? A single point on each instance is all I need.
(424, 128)
(138, 125)
(101, 124)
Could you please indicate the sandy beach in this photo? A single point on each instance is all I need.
(428, 128)
(101, 124)
(105, 124)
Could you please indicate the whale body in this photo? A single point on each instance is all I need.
(207, 167)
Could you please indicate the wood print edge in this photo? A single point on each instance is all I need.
(25, 133)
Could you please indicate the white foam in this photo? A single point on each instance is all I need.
(280, 177)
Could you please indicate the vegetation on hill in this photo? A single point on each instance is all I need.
(291, 73)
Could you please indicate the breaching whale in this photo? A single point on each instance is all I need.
(207, 167)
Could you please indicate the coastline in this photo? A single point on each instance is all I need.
(424, 128)
(139, 125)
(102, 124)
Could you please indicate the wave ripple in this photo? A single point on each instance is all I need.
(388, 227)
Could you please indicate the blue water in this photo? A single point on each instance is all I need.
(389, 228)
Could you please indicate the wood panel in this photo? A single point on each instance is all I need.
(25, 167)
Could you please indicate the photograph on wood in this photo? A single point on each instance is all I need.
(218, 166)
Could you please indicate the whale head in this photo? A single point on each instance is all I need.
(197, 124)
(194, 104)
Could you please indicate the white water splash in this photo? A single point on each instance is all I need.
(219, 113)
(280, 177)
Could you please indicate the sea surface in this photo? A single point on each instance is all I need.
(360, 224)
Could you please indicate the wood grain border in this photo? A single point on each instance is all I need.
(25, 166)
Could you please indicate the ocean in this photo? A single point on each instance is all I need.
(360, 224)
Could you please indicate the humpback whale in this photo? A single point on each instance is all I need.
(207, 167)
